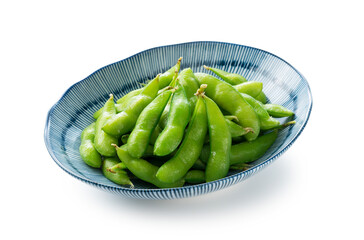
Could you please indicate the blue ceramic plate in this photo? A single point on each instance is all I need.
(283, 85)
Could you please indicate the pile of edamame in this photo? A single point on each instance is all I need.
(182, 128)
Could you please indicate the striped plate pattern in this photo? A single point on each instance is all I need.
(283, 85)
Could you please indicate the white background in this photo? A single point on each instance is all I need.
(314, 191)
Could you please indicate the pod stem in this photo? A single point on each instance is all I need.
(241, 166)
(111, 96)
(176, 71)
(232, 118)
(118, 166)
(164, 89)
(178, 67)
(283, 125)
(111, 169)
(114, 145)
(201, 90)
(248, 130)
(206, 67)
(175, 79)
(286, 124)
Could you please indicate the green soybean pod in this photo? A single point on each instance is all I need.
(143, 169)
(278, 111)
(139, 138)
(155, 134)
(129, 95)
(124, 121)
(148, 152)
(178, 118)
(262, 97)
(205, 153)
(195, 177)
(103, 140)
(236, 130)
(119, 176)
(231, 78)
(245, 152)
(218, 163)
(87, 148)
(251, 88)
(189, 151)
(124, 102)
(166, 78)
(237, 80)
(266, 121)
(117, 167)
(229, 99)
(120, 103)
(97, 113)
(199, 165)
(188, 81)
(164, 117)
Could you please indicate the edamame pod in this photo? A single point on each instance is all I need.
(129, 95)
(124, 122)
(119, 176)
(188, 81)
(251, 88)
(266, 121)
(246, 152)
(103, 140)
(148, 152)
(124, 102)
(199, 165)
(278, 111)
(229, 99)
(231, 78)
(220, 142)
(120, 103)
(143, 169)
(97, 113)
(118, 166)
(261, 97)
(155, 134)
(189, 151)
(139, 138)
(166, 78)
(195, 177)
(87, 148)
(164, 117)
(178, 118)
(236, 130)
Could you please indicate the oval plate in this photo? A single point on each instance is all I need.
(283, 85)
